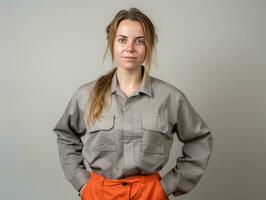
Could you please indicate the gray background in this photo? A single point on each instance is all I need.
(213, 50)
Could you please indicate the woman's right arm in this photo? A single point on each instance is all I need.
(69, 129)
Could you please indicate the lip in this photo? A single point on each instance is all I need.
(129, 57)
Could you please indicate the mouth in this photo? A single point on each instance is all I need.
(130, 58)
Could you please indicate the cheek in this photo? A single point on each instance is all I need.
(117, 50)
(118, 55)
(142, 52)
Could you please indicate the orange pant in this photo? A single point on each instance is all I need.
(140, 187)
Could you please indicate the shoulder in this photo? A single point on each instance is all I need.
(82, 93)
(85, 88)
(166, 87)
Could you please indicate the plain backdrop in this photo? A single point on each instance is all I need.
(213, 50)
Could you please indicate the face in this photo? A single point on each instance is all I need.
(129, 48)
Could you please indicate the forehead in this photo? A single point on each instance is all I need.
(130, 28)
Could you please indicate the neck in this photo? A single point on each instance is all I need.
(129, 79)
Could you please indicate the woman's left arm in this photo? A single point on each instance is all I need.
(196, 151)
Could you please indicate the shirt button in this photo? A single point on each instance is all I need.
(124, 183)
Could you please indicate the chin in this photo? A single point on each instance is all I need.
(130, 66)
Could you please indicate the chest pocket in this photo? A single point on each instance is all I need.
(102, 134)
(155, 134)
(105, 123)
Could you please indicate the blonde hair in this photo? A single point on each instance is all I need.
(101, 90)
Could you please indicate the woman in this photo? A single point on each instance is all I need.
(122, 124)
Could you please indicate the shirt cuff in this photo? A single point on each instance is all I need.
(169, 184)
(80, 179)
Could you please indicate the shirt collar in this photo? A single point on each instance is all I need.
(145, 86)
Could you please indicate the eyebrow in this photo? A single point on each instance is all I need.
(126, 36)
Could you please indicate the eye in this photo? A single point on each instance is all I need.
(122, 40)
(140, 41)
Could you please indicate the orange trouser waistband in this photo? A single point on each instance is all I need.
(139, 187)
(129, 180)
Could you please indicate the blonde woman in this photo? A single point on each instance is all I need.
(117, 131)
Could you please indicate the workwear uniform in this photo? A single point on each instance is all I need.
(134, 136)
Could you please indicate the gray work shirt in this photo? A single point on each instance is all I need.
(134, 136)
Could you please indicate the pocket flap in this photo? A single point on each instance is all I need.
(106, 122)
(154, 123)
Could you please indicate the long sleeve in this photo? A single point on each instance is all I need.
(69, 129)
(197, 141)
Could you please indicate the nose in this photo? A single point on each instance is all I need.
(130, 47)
